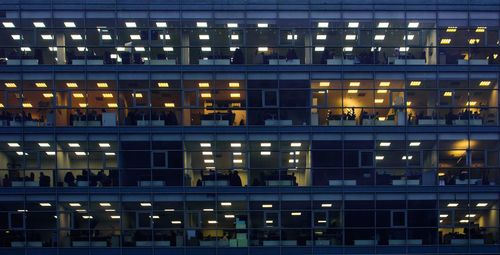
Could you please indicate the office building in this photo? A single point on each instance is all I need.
(249, 127)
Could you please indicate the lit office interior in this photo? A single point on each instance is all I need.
(363, 38)
(235, 99)
(208, 220)
(357, 160)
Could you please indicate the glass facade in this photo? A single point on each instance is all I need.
(253, 127)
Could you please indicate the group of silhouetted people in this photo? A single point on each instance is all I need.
(99, 179)
(43, 180)
(233, 178)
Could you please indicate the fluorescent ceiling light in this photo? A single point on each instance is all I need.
(205, 145)
(73, 145)
(104, 145)
(50, 153)
(292, 37)
(225, 203)
(414, 144)
(481, 204)
(201, 24)
(322, 24)
(353, 25)
(379, 37)
(39, 24)
(76, 37)
(25, 49)
(16, 37)
(235, 145)
(204, 37)
(206, 49)
(265, 153)
(80, 153)
(413, 24)
(448, 93)
(69, 24)
(267, 206)
(105, 204)
(135, 37)
(206, 153)
(14, 145)
(8, 24)
(208, 161)
(232, 25)
(168, 49)
(451, 29)
(262, 49)
(385, 144)
(320, 37)
(145, 204)
(480, 29)
(109, 153)
(295, 144)
(452, 205)
(484, 83)
(265, 144)
(262, 25)
(47, 37)
(319, 48)
(296, 213)
(75, 204)
(326, 205)
(45, 205)
(348, 49)
(379, 157)
(445, 41)
(44, 145)
(350, 37)
(235, 37)
(139, 49)
(383, 25)
(106, 37)
(161, 24)
(130, 24)
(415, 83)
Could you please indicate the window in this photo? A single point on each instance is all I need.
(270, 98)
(398, 219)
(160, 159)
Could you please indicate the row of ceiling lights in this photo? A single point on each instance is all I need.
(204, 24)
